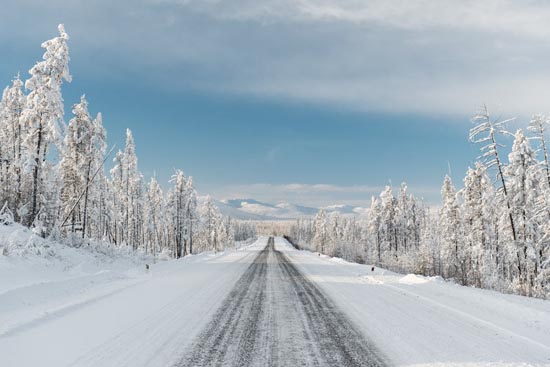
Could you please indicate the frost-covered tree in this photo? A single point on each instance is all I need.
(52, 175)
(523, 177)
(244, 230)
(485, 133)
(94, 179)
(488, 234)
(212, 226)
(12, 132)
(179, 198)
(538, 126)
(118, 199)
(477, 218)
(74, 162)
(334, 235)
(191, 214)
(403, 219)
(374, 229)
(155, 206)
(449, 222)
(43, 114)
(320, 224)
(132, 197)
(388, 224)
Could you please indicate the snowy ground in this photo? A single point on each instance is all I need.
(274, 316)
(418, 321)
(72, 309)
(67, 311)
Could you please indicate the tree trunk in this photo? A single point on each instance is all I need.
(499, 165)
(36, 174)
(84, 218)
(191, 237)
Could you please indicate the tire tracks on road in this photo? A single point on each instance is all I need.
(275, 316)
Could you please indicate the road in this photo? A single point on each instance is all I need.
(274, 316)
(258, 305)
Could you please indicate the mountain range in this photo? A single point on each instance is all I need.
(252, 209)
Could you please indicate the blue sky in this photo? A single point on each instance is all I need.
(316, 102)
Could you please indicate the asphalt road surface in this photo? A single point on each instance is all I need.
(275, 316)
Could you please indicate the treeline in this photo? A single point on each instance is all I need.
(492, 233)
(392, 229)
(52, 175)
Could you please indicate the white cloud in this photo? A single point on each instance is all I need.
(423, 56)
(519, 17)
(407, 56)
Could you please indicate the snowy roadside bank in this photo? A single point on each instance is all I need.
(66, 302)
(28, 260)
(429, 322)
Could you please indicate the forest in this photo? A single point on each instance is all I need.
(493, 232)
(53, 177)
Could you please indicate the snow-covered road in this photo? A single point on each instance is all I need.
(263, 306)
(419, 321)
(276, 317)
(140, 320)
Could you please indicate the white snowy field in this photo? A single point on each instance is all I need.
(419, 321)
(66, 310)
(77, 309)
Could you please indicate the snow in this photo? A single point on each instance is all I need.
(419, 321)
(61, 306)
(259, 210)
(66, 310)
(29, 260)
(413, 279)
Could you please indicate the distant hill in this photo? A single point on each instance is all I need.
(252, 209)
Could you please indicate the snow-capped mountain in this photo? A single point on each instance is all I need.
(253, 209)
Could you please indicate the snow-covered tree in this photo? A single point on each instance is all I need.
(321, 230)
(538, 126)
(388, 225)
(12, 132)
(477, 220)
(94, 199)
(191, 214)
(179, 197)
(118, 199)
(155, 206)
(375, 230)
(212, 226)
(75, 163)
(132, 197)
(43, 114)
(485, 132)
(523, 177)
(449, 222)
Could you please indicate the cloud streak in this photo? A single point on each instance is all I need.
(523, 17)
(423, 56)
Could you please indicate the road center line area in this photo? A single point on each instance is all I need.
(274, 316)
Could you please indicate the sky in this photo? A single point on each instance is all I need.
(316, 102)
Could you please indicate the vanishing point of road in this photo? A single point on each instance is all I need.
(275, 316)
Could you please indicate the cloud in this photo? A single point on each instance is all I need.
(301, 188)
(406, 56)
(524, 17)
